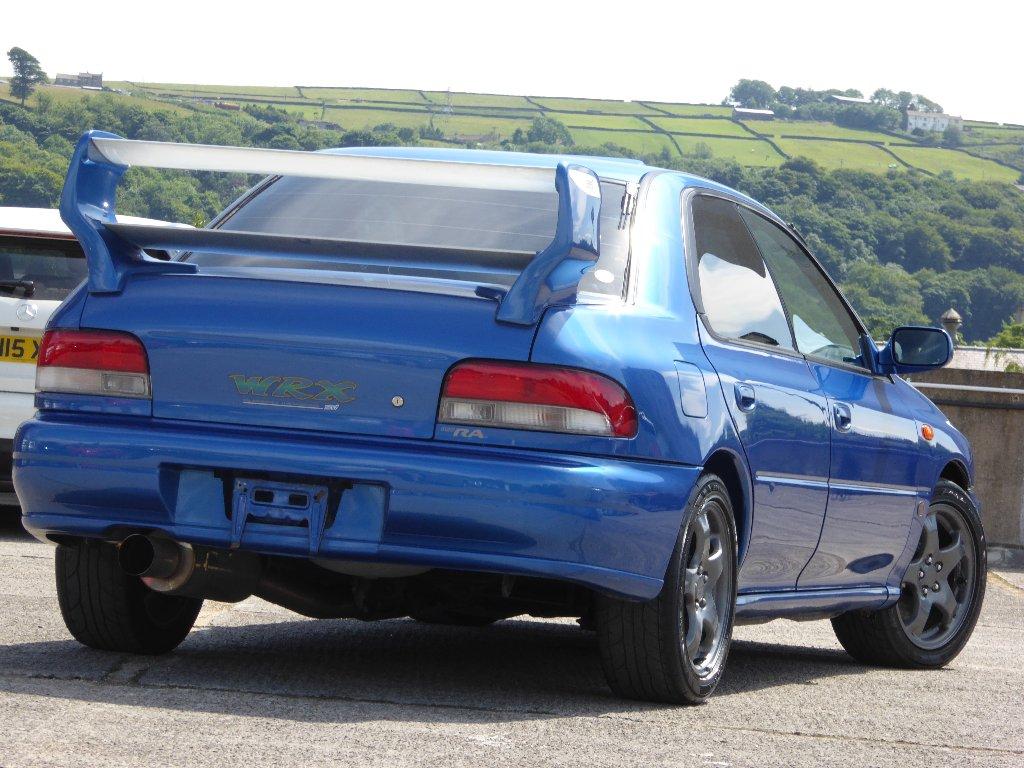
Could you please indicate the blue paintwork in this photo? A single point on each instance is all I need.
(827, 518)
(554, 274)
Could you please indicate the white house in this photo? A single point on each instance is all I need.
(932, 121)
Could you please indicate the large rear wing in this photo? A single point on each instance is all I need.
(115, 250)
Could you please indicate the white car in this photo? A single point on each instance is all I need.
(41, 262)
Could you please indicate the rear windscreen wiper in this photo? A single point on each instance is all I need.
(28, 287)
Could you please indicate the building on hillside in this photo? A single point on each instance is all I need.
(850, 99)
(81, 80)
(742, 113)
(227, 105)
(931, 121)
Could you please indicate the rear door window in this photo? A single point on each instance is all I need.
(38, 268)
(740, 298)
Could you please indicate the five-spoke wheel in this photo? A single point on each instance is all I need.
(939, 583)
(941, 594)
(673, 648)
(706, 587)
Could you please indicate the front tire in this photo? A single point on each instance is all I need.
(673, 648)
(105, 608)
(941, 593)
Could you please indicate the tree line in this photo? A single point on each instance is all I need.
(906, 246)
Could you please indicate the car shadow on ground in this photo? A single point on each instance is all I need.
(509, 671)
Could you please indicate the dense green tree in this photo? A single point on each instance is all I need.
(754, 94)
(28, 73)
(885, 296)
(952, 136)
(924, 247)
(547, 130)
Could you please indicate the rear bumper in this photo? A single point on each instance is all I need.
(606, 523)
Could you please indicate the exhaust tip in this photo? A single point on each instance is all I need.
(135, 554)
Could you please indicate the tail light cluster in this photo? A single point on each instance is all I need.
(536, 397)
(93, 363)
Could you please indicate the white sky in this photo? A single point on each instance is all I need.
(968, 57)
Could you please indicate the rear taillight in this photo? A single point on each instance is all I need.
(537, 397)
(92, 363)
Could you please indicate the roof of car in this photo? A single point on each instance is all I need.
(618, 168)
(45, 222)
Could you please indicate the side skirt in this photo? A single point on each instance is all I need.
(754, 608)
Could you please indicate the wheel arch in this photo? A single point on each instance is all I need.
(956, 472)
(733, 471)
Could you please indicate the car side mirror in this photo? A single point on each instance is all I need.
(912, 349)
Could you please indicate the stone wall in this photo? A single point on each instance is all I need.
(988, 407)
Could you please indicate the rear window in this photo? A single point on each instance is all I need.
(40, 269)
(497, 231)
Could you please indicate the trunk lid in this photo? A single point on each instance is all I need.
(302, 355)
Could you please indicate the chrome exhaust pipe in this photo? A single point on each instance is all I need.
(170, 567)
(150, 556)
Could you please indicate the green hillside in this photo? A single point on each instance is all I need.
(908, 226)
(990, 152)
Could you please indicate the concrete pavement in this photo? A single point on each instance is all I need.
(255, 685)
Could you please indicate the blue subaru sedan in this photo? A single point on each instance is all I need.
(462, 386)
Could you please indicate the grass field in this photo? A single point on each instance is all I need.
(70, 95)
(638, 141)
(361, 94)
(593, 105)
(935, 160)
(840, 154)
(480, 100)
(698, 125)
(1012, 154)
(211, 91)
(691, 110)
(626, 122)
(593, 122)
(994, 133)
(821, 130)
(751, 153)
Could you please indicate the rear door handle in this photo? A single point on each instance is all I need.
(745, 397)
(843, 415)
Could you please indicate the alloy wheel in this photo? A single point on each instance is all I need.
(938, 587)
(707, 587)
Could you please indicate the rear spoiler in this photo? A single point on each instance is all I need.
(115, 250)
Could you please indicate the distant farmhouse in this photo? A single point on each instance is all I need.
(932, 121)
(741, 113)
(81, 80)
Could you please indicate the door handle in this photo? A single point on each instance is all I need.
(843, 416)
(745, 397)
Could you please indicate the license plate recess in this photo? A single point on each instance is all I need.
(273, 503)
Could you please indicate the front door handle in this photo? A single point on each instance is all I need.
(745, 397)
(844, 417)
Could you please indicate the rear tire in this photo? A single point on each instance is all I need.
(929, 626)
(673, 648)
(105, 608)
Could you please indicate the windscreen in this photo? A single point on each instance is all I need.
(495, 232)
(42, 269)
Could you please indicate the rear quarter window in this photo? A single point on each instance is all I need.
(40, 268)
